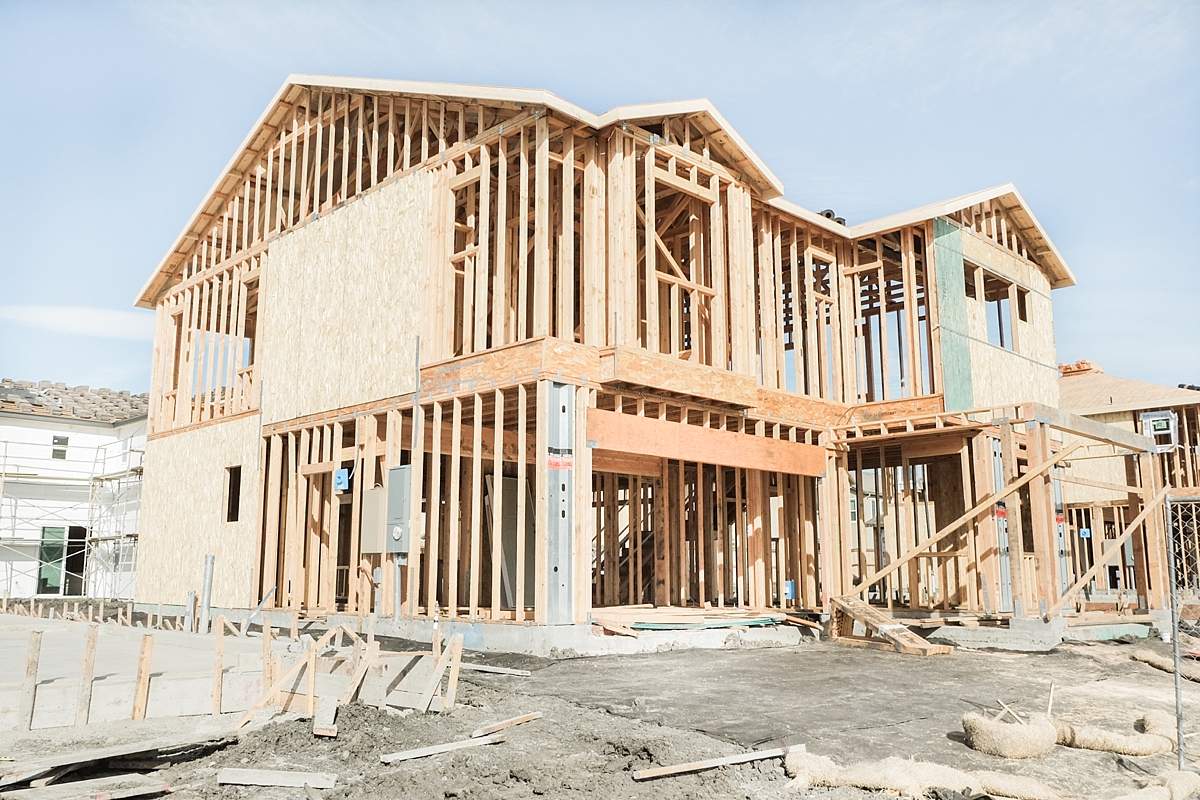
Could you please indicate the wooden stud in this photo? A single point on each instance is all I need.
(142, 691)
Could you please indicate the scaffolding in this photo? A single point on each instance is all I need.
(69, 526)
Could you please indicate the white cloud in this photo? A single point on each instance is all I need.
(105, 323)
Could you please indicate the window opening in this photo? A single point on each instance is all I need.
(233, 493)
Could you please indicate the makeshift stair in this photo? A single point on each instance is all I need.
(883, 632)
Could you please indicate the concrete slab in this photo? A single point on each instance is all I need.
(854, 704)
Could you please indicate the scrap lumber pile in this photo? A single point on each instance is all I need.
(125, 758)
(882, 632)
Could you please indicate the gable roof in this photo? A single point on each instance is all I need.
(701, 112)
(1044, 253)
(1093, 392)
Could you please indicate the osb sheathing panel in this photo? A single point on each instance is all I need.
(1109, 470)
(952, 316)
(341, 305)
(1001, 376)
(183, 514)
(1001, 262)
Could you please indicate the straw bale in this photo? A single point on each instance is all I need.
(1010, 740)
(1088, 737)
(809, 769)
(911, 778)
(1001, 784)
(1187, 668)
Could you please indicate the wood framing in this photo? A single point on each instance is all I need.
(604, 346)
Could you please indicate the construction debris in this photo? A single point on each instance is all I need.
(433, 750)
(882, 632)
(711, 763)
(504, 724)
(275, 777)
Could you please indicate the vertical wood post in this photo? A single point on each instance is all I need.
(218, 665)
(29, 689)
(83, 703)
(141, 694)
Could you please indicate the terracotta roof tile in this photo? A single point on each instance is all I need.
(79, 402)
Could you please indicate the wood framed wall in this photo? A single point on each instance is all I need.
(910, 548)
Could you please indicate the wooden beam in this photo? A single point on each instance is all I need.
(1073, 423)
(625, 433)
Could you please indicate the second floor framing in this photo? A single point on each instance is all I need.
(648, 227)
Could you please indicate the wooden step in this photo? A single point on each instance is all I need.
(880, 627)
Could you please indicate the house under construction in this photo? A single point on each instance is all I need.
(473, 353)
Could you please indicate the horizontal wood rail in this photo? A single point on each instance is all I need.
(979, 508)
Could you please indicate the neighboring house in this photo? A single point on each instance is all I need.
(70, 489)
(1096, 514)
(471, 352)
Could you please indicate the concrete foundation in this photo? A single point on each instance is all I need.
(1037, 635)
(546, 641)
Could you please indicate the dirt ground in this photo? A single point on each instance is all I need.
(605, 717)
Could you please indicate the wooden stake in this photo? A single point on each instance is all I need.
(29, 689)
(142, 693)
(267, 660)
(312, 679)
(83, 703)
(271, 692)
(219, 664)
(456, 646)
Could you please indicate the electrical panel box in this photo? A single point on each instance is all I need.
(374, 506)
(1163, 428)
(399, 509)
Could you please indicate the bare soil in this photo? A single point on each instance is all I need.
(571, 751)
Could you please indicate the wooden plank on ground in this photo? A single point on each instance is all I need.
(433, 750)
(495, 727)
(524, 673)
(117, 786)
(697, 766)
(276, 777)
(24, 771)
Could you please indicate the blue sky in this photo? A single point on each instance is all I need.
(117, 117)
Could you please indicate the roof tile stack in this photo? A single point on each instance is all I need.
(70, 402)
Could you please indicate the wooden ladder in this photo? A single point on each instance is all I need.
(883, 632)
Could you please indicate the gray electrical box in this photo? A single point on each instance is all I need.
(399, 509)
(1163, 428)
(373, 509)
